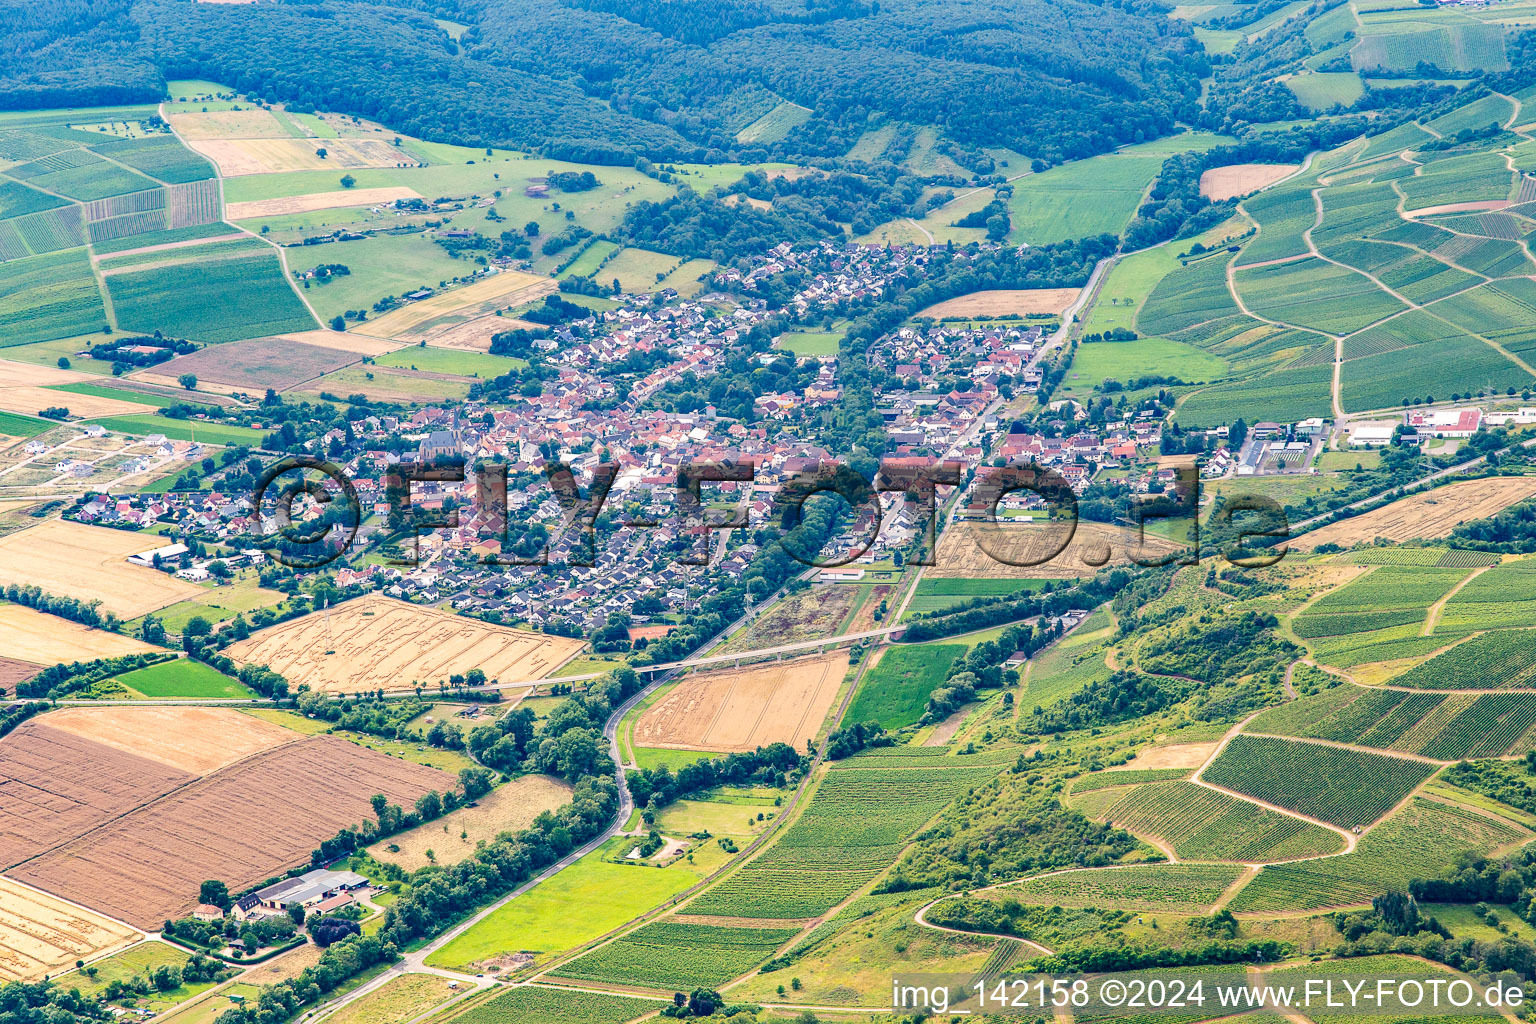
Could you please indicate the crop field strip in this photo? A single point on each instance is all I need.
(668, 955)
(1202, 824)
(1418, 842)
(1493, 660)
(855, 826)
(1168, 888)
(1446, 727)
(1344, 787)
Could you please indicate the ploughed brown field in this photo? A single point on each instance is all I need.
(242, 824)
(56, 786)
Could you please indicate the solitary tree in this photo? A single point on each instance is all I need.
(188, 381)
(347, 181)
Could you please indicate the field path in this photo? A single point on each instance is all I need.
(1435, 609)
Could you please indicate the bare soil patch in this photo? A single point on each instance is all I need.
(377, 641)
(1176, 755)
(55, 786)
(1483, 204)
(32, 636)
(1428, 515)
(743, 709)
(13, 671)
(1235, 180)
(190, 739)
(1000, 302)
(973, 550)
(319, 201)
(42, 935)
(508, 808)
(89, 563)
(260, 363)
(242, 824)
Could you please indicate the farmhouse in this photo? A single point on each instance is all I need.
(309, 889)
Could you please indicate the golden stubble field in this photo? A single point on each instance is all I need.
(969, 550)
(1002, 302)
(1428, 515)
(314, 201)
(414, 321)
(27, 635)
(730, 710)
(192, 739)
(90, 563)
(374, 642)
(41, 934)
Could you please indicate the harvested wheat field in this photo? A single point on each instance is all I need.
(16, 374)
(961, 554)
(271, 156)
(56, 786)
(508, 808)
(40, 934)
(89, 563)
(377, 641)
(342, 341)
(742, 709)
(412, 322)
(242, 824)
(319, 201)
(1427, 515)
(1235, 180)
(475, 335)
(1002, 302)
(190, 739)
(31, 401)
(43, 639)
(250, 123)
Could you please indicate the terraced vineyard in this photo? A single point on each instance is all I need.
(854, 827)
(669, 955)
(1176, 888)
(1443, 726)
(1201, 824)
(1389, 595)
(1506, 658)
(1344, 787)
(1422, 839)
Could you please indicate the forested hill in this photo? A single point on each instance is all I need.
(675, 79)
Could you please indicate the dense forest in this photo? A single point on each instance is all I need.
(606, 80)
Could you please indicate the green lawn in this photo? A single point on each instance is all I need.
(139, 960)
(222, 604)
(12, 425)
(811, 343)
(181, 430)
(451, 360)
(102, 391)
(895, 691)
(1126, 360)
(183, 678)
(1319, 90)
(575, 906)
(1093, 196)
